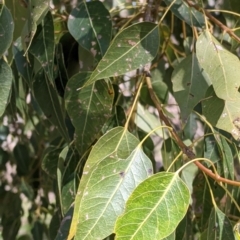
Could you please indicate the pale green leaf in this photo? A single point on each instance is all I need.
(132, 48)
(111, 173)
(222, 114)
(89, 108)
(219, 226)
(189, 15)
(42, 46)
(154, 209)
(236, 230)
(148, 122)
(90, 24)
(48, 101)
(6, 78)
(220, 65)
(6, 29)
(187, 79)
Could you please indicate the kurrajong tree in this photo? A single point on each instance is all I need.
(88, 90)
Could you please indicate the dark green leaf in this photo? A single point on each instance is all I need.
(91, 26)
(47, 99)
(24, 65)
(42, 46)
(219, 226)
(6, 29)
(89, 108)
(189, 15)
(6, 78)
(187, 79)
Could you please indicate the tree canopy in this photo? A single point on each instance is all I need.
(119, 120)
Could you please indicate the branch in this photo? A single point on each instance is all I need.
(186, 150)
(213, 19)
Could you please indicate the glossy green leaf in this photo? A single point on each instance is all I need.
(6, 78)
(189, 15)
(24, 67)
(154, 209)
(132, 48)
(42, 47)
(89, 108)
(37, 9)
(187, 79)
(6, 29)
(48, 101)
(111, 173)
(219, 226)
(220, 65)
(90, 24)
(222, 114)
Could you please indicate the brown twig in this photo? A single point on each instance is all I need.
(213, 19)
(186, 150)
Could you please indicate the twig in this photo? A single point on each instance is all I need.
(186, 150)
(213, 19)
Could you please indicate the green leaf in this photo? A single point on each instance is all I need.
(189, 15)
(19, 13)
(37, 10)
(42, 47)
(6, 29)
(90, 24)
(111, 173)
(50, 161)
(187, 79)
(67, 162)
(219, 226)
(203, 204)
(227, 157)
(48, 101)
(23, 160)
(222, 114)
(154, 209)
(24, 67)
(89, 108)
(5, 83)
(148, 122)
(62, 77)
(132, 48)
(220, 65)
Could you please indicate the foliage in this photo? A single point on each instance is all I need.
(119, 120)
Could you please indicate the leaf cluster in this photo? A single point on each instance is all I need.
(119, 120)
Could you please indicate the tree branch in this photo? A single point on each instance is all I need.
(213, 19)
(186, 150)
